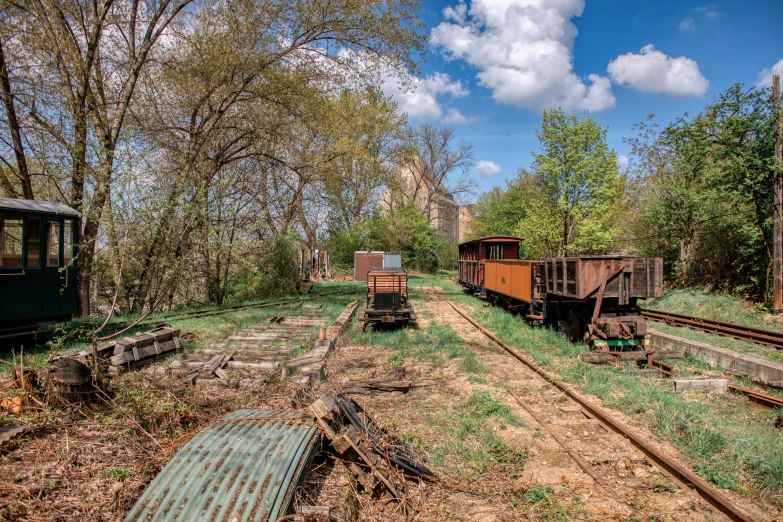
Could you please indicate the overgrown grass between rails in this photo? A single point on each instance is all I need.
(468, 444)
(437, 345)
(729, 441)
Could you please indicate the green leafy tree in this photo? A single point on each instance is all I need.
(498, 211)
(704, 187)
(405, 230)
(577, 182)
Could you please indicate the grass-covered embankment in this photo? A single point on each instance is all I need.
(730, 309)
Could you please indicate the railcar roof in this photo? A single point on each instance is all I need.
(494, 239)
(37, 207)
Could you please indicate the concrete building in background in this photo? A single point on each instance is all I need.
(432, 199)
(466, 214)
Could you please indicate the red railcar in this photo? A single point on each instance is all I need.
(590, 297)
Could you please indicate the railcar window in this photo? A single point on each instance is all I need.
(53, 244)
(10, 241)
(33, 241)
(67, 242)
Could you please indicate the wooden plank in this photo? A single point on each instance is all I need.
(609, 357)
(147, 351)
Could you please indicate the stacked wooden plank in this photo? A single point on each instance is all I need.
(387, 281)
(140, 349)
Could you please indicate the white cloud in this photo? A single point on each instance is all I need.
(653, 71)
(418, 97)
(622, 161)
(686, 24)
(523, 50)
(765, 76)
(456, 117)
(485, 168)
(711, 14)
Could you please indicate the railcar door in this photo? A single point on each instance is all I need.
(59, 289)
(20, 291)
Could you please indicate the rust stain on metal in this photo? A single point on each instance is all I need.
(228, 460)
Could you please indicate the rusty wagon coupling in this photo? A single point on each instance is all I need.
(591, 298)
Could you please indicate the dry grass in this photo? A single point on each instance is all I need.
(92, 461)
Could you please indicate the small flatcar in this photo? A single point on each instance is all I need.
(37, 264)
(387, 297)
(592, 298)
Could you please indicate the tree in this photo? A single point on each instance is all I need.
(408, 232)
(499, 211)
(578, 182)
(704, 191)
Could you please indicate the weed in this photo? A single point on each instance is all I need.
(397, 359)
(720, 479)
(477, 380)
(663, 486)
(481, 404)
(118, 472)
(538, 494)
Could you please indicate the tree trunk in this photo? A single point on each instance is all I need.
(14, 129)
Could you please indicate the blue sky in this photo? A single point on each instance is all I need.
(492, 66)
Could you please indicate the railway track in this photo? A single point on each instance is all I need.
(158, 319)
(673, 469)
(767, 338)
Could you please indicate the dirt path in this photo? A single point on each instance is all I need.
(632, 486)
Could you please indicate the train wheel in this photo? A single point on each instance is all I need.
(575, 329)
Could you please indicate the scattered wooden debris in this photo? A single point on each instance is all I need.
(140, 349)
(313, 513)
(383, 385)
(379, 460)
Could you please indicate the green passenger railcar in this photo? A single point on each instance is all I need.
(37, 264)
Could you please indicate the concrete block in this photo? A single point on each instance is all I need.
(760, 370)
(717, 385)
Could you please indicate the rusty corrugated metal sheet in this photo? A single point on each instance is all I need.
(363, 262)
(245, 467)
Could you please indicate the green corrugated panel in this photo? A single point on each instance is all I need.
(245, 467)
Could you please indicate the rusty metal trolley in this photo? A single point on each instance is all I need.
(387, 297)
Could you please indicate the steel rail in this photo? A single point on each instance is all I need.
(708, 492)
(767, 338)
(113, 327)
